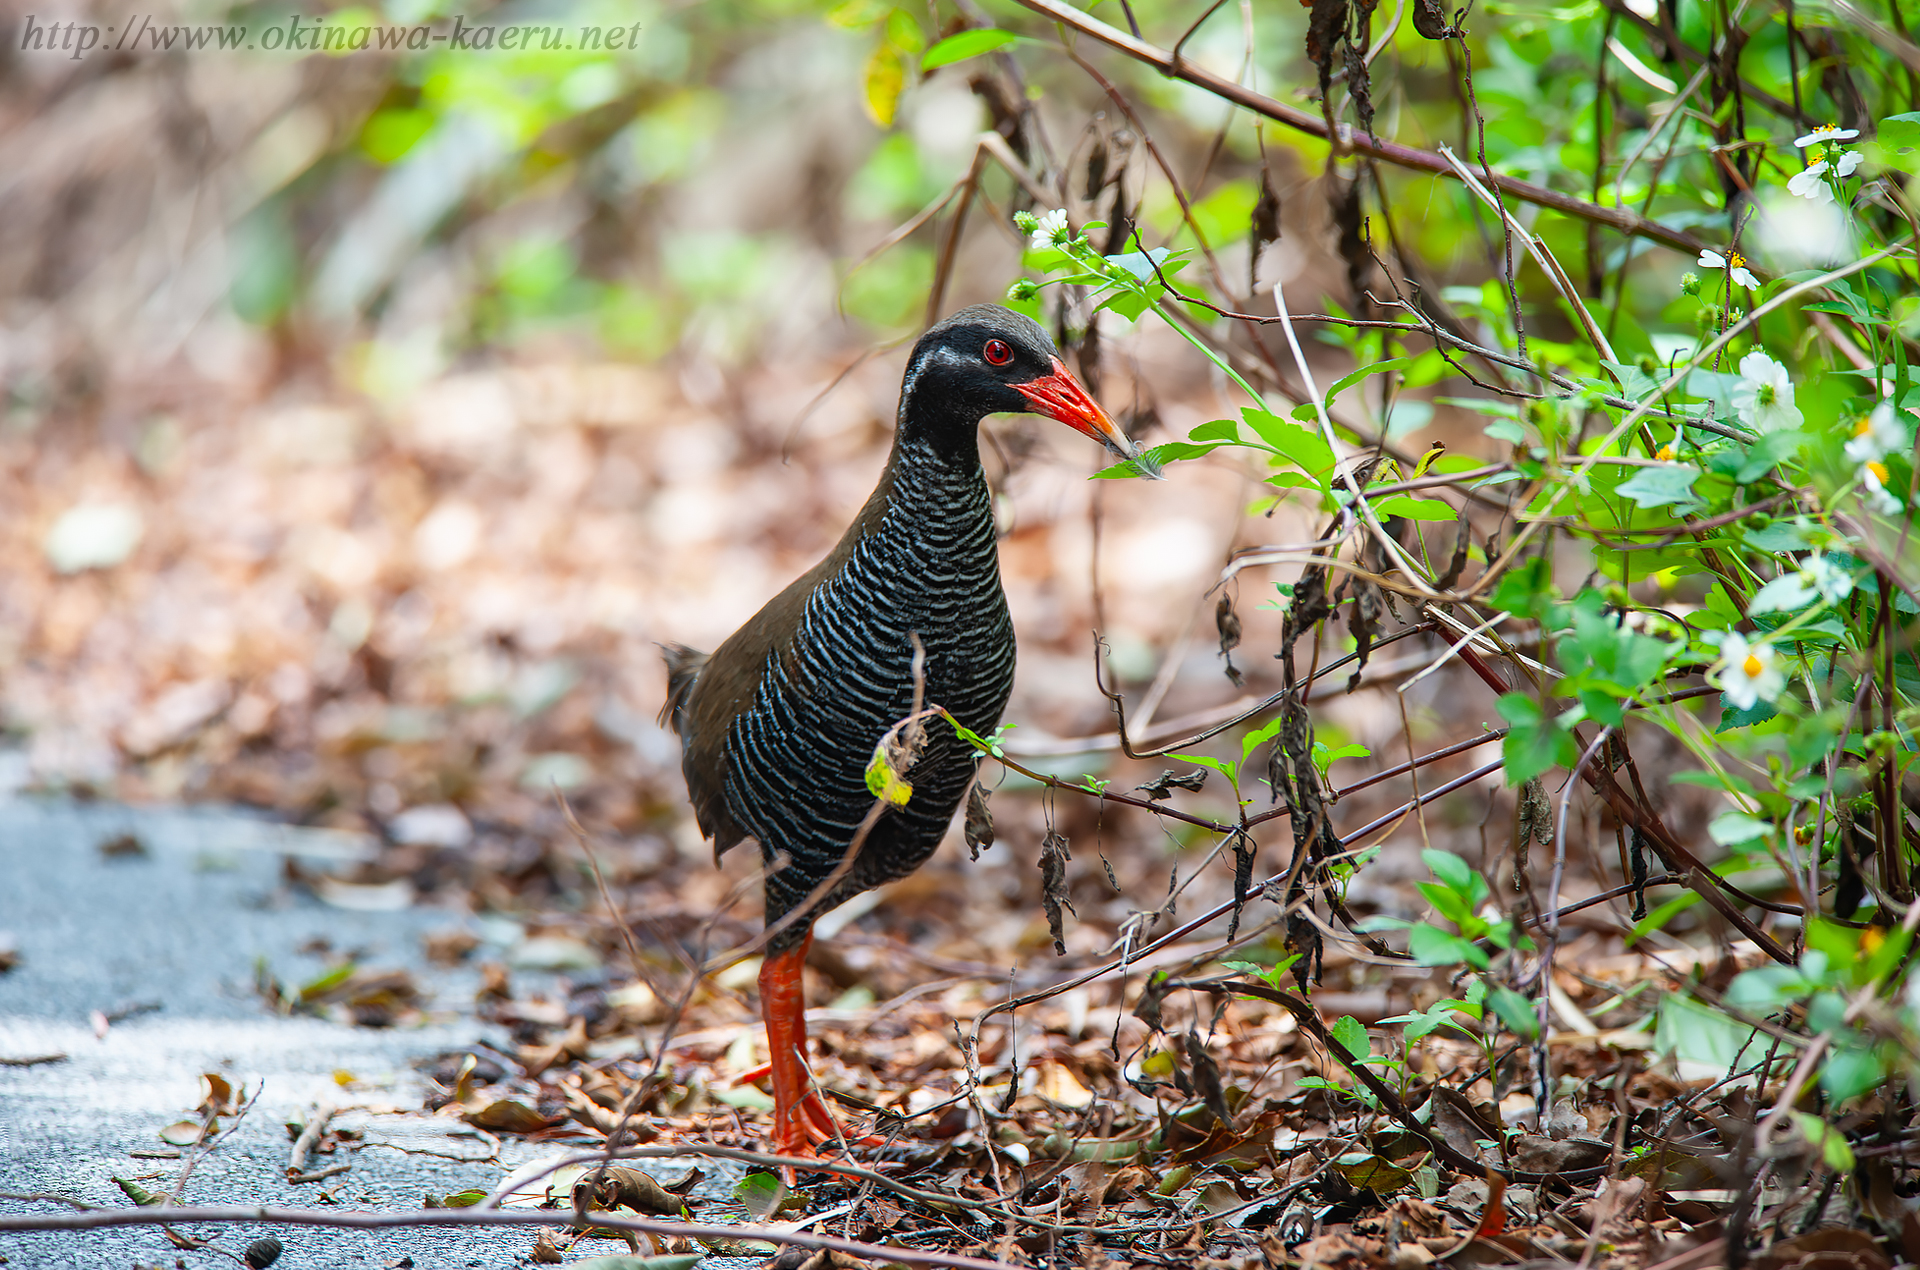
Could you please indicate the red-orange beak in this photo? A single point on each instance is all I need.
(1061, 396)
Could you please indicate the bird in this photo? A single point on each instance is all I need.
(779, 723)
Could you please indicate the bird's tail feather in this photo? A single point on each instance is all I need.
(683, 668)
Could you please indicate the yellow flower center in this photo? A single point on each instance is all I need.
(1878, 469)
(1666, 454)
(1870, 940)
(1863, 427)
(1735, 260)
(1751, 667)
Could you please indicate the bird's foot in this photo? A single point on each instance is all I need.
(810, 1126)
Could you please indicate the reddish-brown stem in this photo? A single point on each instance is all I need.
(1617, 218)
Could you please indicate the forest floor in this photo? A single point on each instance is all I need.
(431, 627)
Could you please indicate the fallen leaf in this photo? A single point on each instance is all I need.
(508, 1116)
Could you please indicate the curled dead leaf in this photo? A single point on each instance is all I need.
(507, 1116)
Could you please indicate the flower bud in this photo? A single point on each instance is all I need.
(1690, 283)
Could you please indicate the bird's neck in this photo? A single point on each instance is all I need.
(935, 464)
(933, 425)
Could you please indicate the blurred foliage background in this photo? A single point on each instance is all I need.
(370, 413)
(367, 411)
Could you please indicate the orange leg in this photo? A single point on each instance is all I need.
(801, 1121)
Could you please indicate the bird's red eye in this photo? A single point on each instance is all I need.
(997, 353)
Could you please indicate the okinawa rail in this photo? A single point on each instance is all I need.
(779, 723)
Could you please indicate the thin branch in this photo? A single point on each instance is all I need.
(104, 1218)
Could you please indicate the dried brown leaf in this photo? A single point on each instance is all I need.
(1053, 883)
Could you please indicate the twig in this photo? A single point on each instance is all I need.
(105, 1218)
(310, 1135)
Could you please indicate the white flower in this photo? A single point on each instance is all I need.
(1849, 161)
(1809, 185)
(1828, 579)
(1764, 396)
(1052, 230)
(1734, 263)
(1832, 132)
(1747, 671)
(1877, 435)
(1873, 475)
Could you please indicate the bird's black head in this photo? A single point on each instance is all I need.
(989, 360)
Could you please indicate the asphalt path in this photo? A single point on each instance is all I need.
(160, 936)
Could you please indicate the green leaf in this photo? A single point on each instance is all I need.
(1618, 655)
(328, 981)
(1533, 742)
(858, 13)
(1415, 508)
(762, 1194)
(1603, 706)
(1779, 536)
(1730, 828)
(1733, 717)
(1302, 447)
(958, 48)
(1261, 735)
(1128, 303)
(1527, 589)
(1372, 368)
(1884, 952)
(1852, 1071)
(1769, 451)
(1456, 874)
(1699, 1035)
(1432, 946)
(1324, 754)
(1515, 1011)
(1155, 458)
(903, 32)
(1448, 903)
(1145, 265)
(1352, 1035)
(1660, 916)
(1669, 485)
(1225, 767)
(1833, 1145)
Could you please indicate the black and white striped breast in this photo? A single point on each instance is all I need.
(796, 760)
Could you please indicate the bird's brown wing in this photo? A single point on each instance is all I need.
(703, 759)
(706, 692)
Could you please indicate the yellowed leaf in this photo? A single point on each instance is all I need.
(885, 79)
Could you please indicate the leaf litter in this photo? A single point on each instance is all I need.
(425, 641)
